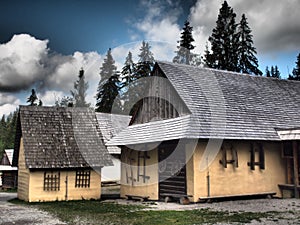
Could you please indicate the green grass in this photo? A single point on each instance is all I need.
(97, 212)
(10, 190)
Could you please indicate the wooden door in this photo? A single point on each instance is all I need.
(172, 170)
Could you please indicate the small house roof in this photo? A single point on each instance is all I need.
(222, 105)
(110, 125)
(60, 137)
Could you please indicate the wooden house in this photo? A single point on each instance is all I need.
(204, 133)
(59, 153)
(110, 125)
(8, 173)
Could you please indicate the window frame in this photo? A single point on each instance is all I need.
(257, 147)
(83, 179)
(234, 156)
(51, 181)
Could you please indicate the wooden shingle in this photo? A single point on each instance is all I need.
(60, 137)
(222, 105)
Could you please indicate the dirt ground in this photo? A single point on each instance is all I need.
(11, 214)
(24, 215)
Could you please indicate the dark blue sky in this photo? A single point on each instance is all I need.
(73, 25)
(79, 33)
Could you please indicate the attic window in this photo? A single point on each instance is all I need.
(229, 156)
(257, 156)
(83, 179)
(51, 181)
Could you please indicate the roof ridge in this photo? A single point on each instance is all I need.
(227, 72)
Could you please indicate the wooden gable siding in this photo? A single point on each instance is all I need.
(23, 175)
(161, 102)
(5, 160)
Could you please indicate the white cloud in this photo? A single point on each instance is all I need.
(21, 62)
(25, 63)
(8, 103)
(160, 21)
(6, 99)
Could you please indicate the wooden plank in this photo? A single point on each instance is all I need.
(137, 197)
(296, 172)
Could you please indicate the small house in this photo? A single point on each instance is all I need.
(201, 133)
(8, 173)
(59, 153)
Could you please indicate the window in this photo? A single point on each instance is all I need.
(83, 178)
(51, 181)
(257, 156)
(229, 156)
(287, 149)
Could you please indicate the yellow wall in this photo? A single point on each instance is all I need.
(37, 192)
(241, 180)
(228, 181)
(31, 184)
(133, 186)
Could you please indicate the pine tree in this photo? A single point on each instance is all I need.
(248, 62)
(32, 98)
(184, 54)
(128, 70)
(7, 131)
(296, 70)
(108, 87)
(65, 101)
(224, 41)
(208, 59)
(79, 92)
(129, 76)
(268, 73)
(145, 62)
(275, 72)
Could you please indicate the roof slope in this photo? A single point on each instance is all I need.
(110, 125)
(56, 137)
(226, 105)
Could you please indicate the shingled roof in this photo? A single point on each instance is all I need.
(110, 125)
(60, 137)
(223, 105)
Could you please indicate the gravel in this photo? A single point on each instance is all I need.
(23, 215)
(280, 211)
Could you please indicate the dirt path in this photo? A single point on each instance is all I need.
(23, 215)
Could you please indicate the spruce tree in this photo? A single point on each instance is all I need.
(208, 59)
(128, 70)
(7, 131)
(32, 99)
(275, 72)
(109, 85)
(65, 101)
(224, 41)
(268, 73)
(184, 54)
(296, 70)
(79, 92)
(129, 76)
(145, 62)
(248, 62)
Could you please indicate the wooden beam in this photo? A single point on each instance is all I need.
(296, 172)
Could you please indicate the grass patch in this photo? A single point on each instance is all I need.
(99, 212)
(9, 190)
